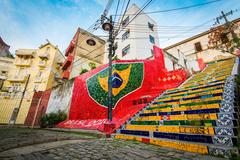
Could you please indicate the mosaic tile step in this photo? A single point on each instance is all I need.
(197, 138)
(195, 88)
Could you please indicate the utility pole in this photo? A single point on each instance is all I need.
(108, 26)
(228, 24)
(20, 104)
(218, 37)
(110, 55)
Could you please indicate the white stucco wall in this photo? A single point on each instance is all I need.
(187, 50)
(168, 63)
(140, 45)
(60, 98)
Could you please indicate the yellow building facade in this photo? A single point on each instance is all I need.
(33, 69)
(5, 64)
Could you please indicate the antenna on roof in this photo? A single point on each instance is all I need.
(47, 40)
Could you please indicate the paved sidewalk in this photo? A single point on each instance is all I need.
(104, 149)
(82, 146)
(18, 137)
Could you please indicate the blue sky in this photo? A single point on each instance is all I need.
(28, 23)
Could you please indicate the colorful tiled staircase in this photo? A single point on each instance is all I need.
(199, 116)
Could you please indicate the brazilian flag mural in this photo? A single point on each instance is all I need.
(126, 78)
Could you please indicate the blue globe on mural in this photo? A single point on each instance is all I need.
(116, 80)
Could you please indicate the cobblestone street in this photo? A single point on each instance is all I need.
(85, 147)
(18, 137)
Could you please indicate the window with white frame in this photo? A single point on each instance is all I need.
(125, 22)
(152, 39)
(125, 35)
(125, 50)
(151, 26)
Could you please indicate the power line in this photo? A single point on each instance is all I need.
(121, 10)
(137, 13)
(160, 30)
(116, 10)
(190, 29)
(94, 26)
(176, 9)
(147, 25)
(122, 18)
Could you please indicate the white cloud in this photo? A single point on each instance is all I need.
(28, 25)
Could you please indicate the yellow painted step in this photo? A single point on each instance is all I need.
(172, 129)
(190, 147)
(188, 101)
(184, 108)
(212, 116)
(194, 91)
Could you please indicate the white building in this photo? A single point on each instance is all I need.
(136, 37)
(190, 50)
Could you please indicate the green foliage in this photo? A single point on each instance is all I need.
(92, 65)
(236, 41)
(115, 58)
(51, 119)
(238, 79)
(83, 71)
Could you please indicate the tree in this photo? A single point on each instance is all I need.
(83, 71)
(92, 65)
(224, 38)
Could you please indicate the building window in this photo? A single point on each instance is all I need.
(224, 38)
(198, 47)
(150, 26)
(125, 50)
(125, 22)
(145, 100)
(39, 74)
(125, 35)
(47, 49)
(152, 40)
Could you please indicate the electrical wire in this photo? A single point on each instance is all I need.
(122, 18)
(137, 13)
(116, 10)
(121, 11)
(146, 25)
(176, 9)
(211, 20)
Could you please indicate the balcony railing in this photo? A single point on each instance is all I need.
(67, 62)
(3, 76)
(44, 55)
(38, 79)
(17, 78)
(22, 62)
(4, 67)
(42, 63)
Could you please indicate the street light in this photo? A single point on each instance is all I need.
(107, 26)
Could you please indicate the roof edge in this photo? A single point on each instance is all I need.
(196, 36)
